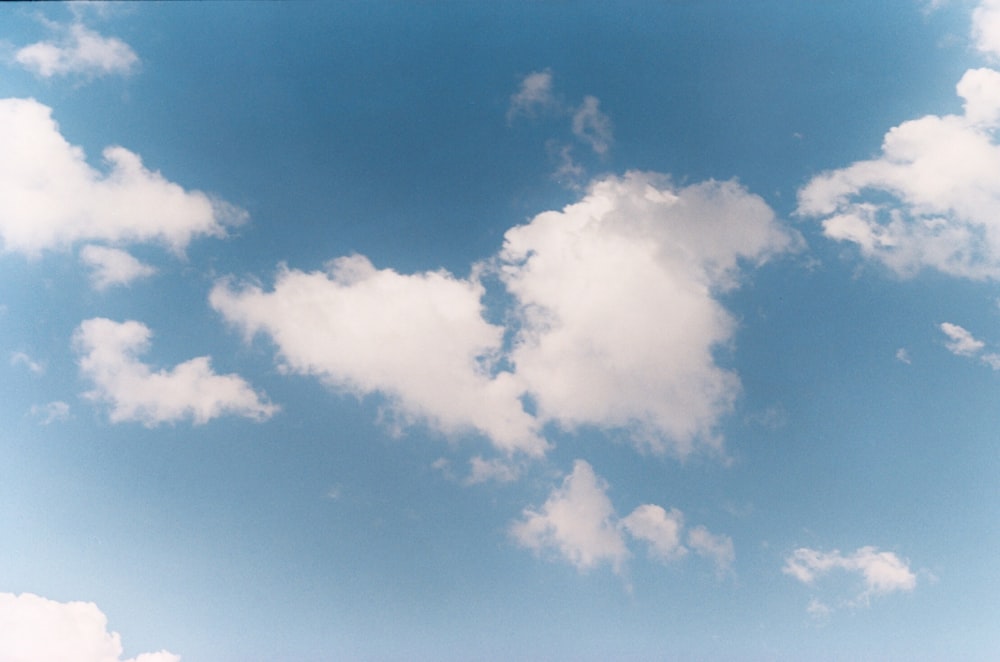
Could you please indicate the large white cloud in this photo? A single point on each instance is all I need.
(419, 339)
(35, 629)
(881, 572)
(932, 199)
(50, 197)
(79, 50)
(617, 300)
(109, 352)
(986, 27)
(579, 524)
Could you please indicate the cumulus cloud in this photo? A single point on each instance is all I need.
(419, 339)
(78, 50)
(37, 629)
(962, 343)
(592, 126)
(986, 27)
(50, 197)
(579, 524)
(112, 266)
(616, 301)
(577, 521)
(932, 199)
(108, 356)
(881, 573)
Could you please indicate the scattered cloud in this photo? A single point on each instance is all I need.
(881, 573)
(577, 521)
(418, 339)
(50, 412)
(50, 197)
(22, 359)
(579, 524)
(78, 50)
(496, 469)
(37, 629)
(962, 343)
(615, 298)
(112, 266)
(903, 356)
(108, 354)
(592, 126)
(986, 27)
(932, 198)
(533, 97)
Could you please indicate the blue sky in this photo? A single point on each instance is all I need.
(460, 331)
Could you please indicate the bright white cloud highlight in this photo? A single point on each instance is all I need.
(592, 126)
(36, 629)
(577, 521)
(50, 197)
(112, 266)
(616, 300)
(418, 339)
(80, 51)
(986, 27)
(108, 357)
(940, 174)
(881, 572)
(579, 524)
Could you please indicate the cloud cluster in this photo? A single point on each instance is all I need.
(614, 320)
(962, 343)
(881, 572)
(932, 199)
(51, 198)
(80, 51)
(108, 357)
(579, 524)
(36, 629)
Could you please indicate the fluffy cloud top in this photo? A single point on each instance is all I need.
(579, 524)
(881, 572)
(50, 197)
(986, 27)
(108, 357)
(112, 266)
(80, 51)
(36, 629)
(616, 300)
(419, 339)
(940, 174)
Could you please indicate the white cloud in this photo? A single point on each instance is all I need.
(616, 300)
(592, 126)
(418, 339)
(112, 266)
(577, 521)
(961, 341)
(718, 548)
(986, 27)
(881, 572)
(50, 197)
(496, 469)
(50, 412)
(79, 50)
(37, 629)
(659, 528)
(108, 354)
(939, 173)
(903, 356)
(534, 96)
(20, 358)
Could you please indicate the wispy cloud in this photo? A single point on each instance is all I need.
(962, 343)
(50, 412)
(112, 266)
(109, 353)
(43, 630)
(881, 573)
(592, 126)
(78, 50)
(22, 359)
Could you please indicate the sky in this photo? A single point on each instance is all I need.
(493, 331)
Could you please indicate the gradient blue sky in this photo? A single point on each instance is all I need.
(543, 331)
